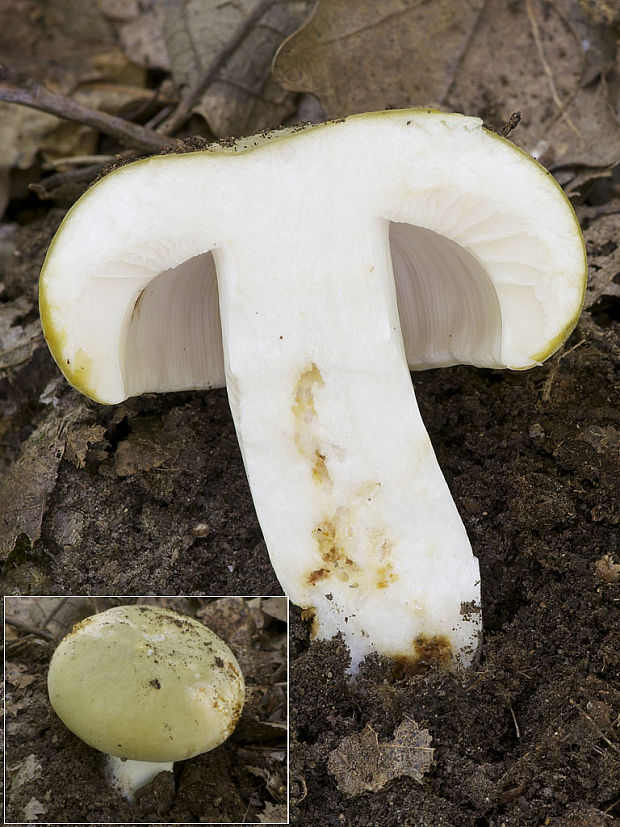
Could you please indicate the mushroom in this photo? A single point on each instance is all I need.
(147, 687)
(339, 256)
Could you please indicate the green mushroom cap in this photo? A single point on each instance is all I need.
(146, 683)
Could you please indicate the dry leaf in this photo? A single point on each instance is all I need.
(361, 763)
(24, 491)
(120, 9)
(29, 769)
(364, 55)
(13, 708)
(603, 258)
(484, 57)
(33, 810)
(17, 342)
(58, 614)
(605, 439)
(136, 454)
(65, 45)
(551, 67)
(275, 607)
(602, 11)
(17, 675)
(143, 40)
(78, 440)
(220, 56)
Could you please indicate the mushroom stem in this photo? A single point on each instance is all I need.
(126, 776)
(358, 519)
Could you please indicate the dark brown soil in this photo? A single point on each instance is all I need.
(157, 503)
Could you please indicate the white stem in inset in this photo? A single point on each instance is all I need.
(359, 522)
(127, 776)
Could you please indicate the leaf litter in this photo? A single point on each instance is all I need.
(362, 763)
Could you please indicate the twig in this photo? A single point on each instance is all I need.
(76, 161)
(46, 187)
(196, 90)
(39, 97)
(514, 720)
(24, 627)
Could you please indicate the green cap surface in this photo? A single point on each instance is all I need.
(146, 683)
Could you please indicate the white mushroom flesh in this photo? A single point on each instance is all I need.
(340, 256)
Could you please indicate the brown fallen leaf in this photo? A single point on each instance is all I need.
(17, 675)
(136, 454)
(142, 37)
(364, 55)
(220, 57)
(65, 45)
(79, 439)
(484, 57)
(276, 607)
(24, 491)
(17, 341)
(603, 258)
(361, 763)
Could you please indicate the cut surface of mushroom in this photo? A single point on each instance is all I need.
(339, 256)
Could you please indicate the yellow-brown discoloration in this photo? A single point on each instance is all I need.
(303, 406)
(331, 545)
(340, 551)
(349, 551)
(320, 474)
(316, 575)
(306, 420)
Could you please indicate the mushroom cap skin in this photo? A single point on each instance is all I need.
(145, 683)
(309, 269)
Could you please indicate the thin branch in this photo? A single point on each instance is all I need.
(31, 630)
(39, 97)
(46, 187)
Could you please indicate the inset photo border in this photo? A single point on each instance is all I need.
(52, 776)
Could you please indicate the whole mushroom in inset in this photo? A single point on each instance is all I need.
(309, 269)
(147, 687)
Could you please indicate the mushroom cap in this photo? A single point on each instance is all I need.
(488, 258)
(146, 683)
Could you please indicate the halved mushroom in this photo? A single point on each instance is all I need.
(336, 257)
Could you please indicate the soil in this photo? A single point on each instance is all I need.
(150, 497)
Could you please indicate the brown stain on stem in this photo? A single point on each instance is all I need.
(428, 651)
(306, 420)
(334, 536)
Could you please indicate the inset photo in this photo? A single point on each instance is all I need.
(146, 709)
